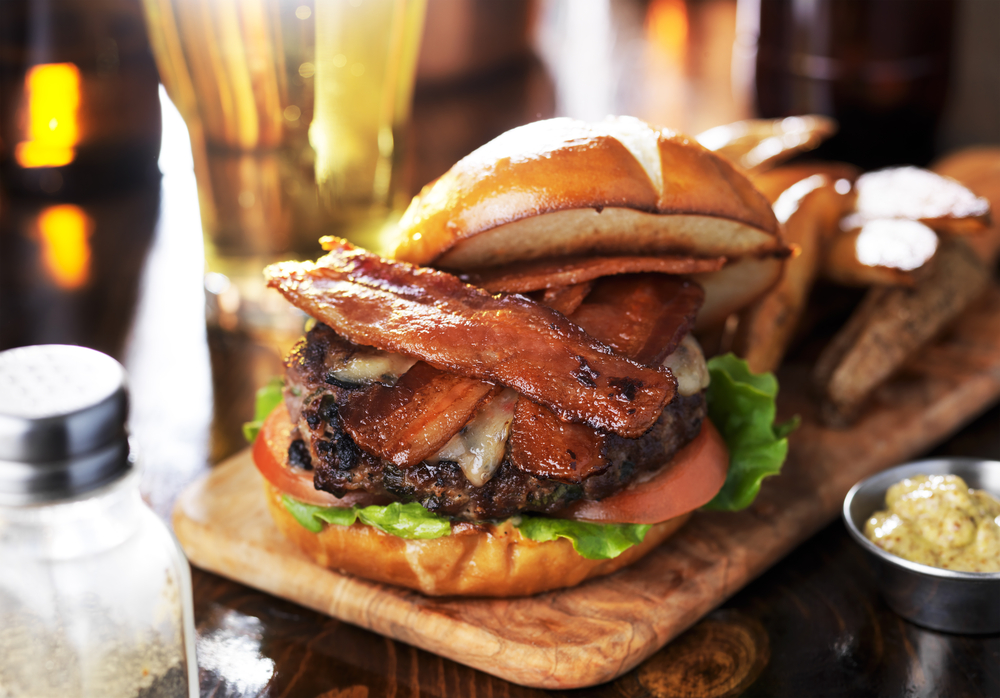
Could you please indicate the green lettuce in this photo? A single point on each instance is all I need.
(268, 398)
(590, 540)
(404, 520)
(742, 406)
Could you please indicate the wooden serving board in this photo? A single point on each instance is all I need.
(601, 629)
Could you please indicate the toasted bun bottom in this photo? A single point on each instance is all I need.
(467, 563)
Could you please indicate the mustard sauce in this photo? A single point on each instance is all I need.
(939, 521)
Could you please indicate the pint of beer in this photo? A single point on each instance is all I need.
(296, 109)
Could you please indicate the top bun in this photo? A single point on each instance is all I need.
(566, 187)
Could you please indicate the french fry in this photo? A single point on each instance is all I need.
(880, 253)
(891, 324)
(809, 210)
(756, 145)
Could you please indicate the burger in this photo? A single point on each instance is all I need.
(513, 399)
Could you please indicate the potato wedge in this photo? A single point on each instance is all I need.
(891, 324)
(916, 194)
(810, 210)
(880, 253)
(979, 169)
(773, 183)
(757, 145)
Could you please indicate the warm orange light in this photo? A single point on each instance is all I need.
(53, 92)
(64, 232)
(667, 27)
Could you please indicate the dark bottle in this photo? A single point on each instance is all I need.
(880, 67)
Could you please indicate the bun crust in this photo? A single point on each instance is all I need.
(497, 563)
(614, 186)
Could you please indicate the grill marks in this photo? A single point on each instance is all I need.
(461, 329)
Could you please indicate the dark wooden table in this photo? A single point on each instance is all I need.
(812, 625)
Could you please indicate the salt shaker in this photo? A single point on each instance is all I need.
(95, 594)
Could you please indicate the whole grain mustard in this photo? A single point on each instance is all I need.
(939, 520)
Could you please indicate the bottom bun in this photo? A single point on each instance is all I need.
(500, 562)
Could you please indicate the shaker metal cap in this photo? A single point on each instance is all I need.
(62, 422)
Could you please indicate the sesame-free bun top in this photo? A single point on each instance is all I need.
(567, 187)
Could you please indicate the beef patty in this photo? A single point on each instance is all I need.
(313, 398)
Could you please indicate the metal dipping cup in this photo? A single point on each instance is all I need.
(954, 602)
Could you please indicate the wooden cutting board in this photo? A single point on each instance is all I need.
(601, 629)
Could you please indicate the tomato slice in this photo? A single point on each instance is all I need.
(270, 455)
(694, 475)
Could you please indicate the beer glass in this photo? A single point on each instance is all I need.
(297, 110)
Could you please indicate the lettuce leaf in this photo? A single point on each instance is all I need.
(268, 398)
(403, 520)
(590, 540)
(742, 406)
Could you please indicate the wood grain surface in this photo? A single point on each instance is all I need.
(601, 629)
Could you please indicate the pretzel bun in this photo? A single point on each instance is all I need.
(499, 562)
(566, 187)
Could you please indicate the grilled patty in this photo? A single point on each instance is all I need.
(340, 466)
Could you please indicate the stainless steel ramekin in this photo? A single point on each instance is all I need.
(955, 602)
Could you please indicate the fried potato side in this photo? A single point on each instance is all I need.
(892, 252)
(912, 193)
(810, 211)
(979, 169)
(756, 145)
(890, 325)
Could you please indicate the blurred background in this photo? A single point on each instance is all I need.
(155, 155)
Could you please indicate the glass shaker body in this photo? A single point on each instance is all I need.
(95, 599)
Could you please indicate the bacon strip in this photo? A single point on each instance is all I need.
(566, 299)
(643, 317)
(457, 328)
(415, 418)
(542, 445)
(566, 271)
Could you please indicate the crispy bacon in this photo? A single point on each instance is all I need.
(415, 418)
(566, 299)
(457, 328)
(542, 445)
(566, 271)
(642, 316)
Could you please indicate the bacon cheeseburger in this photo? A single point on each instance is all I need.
(515, 401)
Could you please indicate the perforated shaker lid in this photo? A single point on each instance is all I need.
(62, 422)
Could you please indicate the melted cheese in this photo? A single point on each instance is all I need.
(369, 366)
(688, 365)
(479, 447)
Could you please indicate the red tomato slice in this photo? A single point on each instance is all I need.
(270, 455)
(691, 479)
